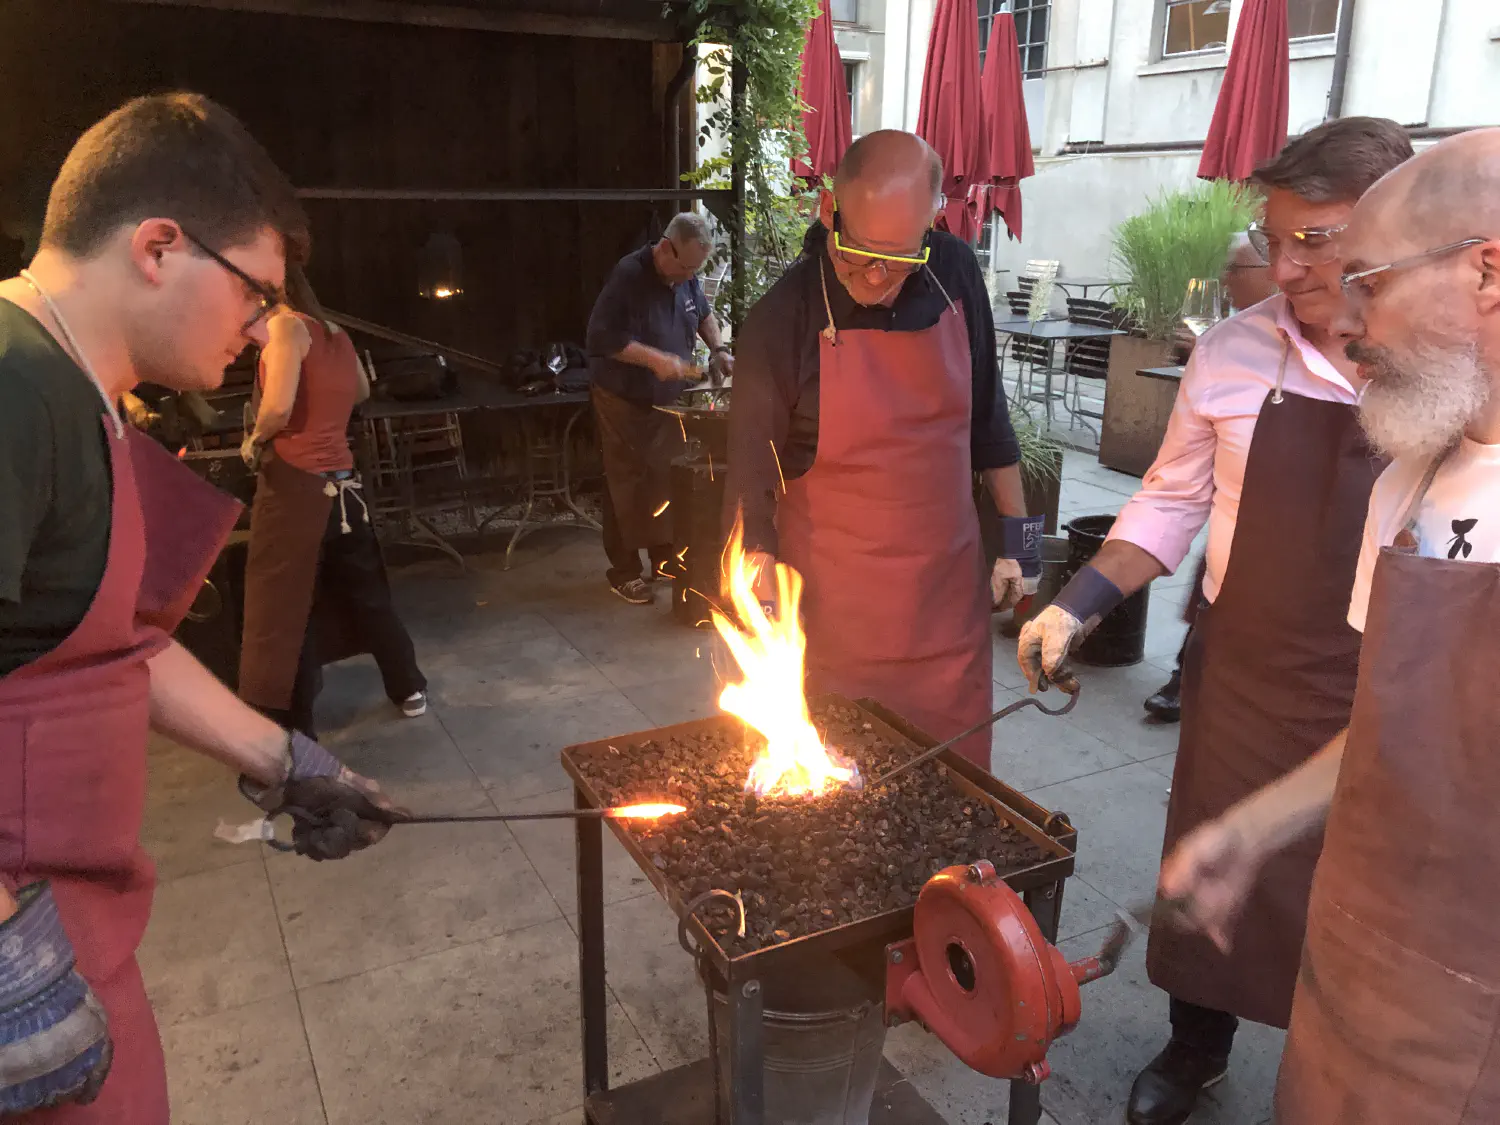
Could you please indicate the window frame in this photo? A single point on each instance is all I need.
(986, 11)
(1159, 37)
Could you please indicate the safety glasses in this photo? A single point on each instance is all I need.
(1358, 287)
(873, 261)
(1311, 246)
(264, 295)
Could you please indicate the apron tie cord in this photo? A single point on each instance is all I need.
(830, 333)
(342, 489)
(939, 284)
(1286, 348)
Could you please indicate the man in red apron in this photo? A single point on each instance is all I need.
(104, 541)
(1263, 444)
(1397, 1012)
(865, 398)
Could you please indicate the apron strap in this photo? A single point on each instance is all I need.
(1409, 519)
(830, 331)
(1286, 350)
(952, 307)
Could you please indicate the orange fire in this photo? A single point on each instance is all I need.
(644, 812)
(770, 651)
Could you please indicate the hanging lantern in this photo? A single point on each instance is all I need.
(441, 268)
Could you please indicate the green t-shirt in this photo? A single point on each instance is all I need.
(55, 491)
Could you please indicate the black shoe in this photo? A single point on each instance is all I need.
(1166, 704)
(1167, 1090)
(636, 591)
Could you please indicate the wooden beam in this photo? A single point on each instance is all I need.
(445, 16)
(512, 195)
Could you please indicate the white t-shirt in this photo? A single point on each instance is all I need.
(1459, 518)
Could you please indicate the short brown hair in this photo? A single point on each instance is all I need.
(1338, 161)
(175, 156)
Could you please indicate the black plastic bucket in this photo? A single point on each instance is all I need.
(1120, 638)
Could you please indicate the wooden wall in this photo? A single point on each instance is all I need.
(347, 104)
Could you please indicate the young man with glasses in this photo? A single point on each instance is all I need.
(1395, 1018)
(164, 246)
(1264, 446)
(866, 397)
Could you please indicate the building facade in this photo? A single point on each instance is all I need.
(1119, 93)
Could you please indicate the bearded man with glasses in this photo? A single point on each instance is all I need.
(1265, 447)
(164, 246)
(865, 398)
(1395, 1018)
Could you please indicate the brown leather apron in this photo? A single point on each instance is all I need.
(1397, 1016)
(884, 531)
(73, 730)
(287, 521)
(1268, 679)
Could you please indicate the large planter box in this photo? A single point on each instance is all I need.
(1136, 407)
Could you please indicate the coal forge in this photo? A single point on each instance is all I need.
(802, 865)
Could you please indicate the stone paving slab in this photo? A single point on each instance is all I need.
(434, 978)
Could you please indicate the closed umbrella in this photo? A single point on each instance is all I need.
(1005, 137)
(825, 116)
(1250, 117)
(950, 114)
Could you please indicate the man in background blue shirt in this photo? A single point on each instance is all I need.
(641, 336)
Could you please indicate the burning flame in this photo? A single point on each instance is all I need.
(770, 697)
(644, 812)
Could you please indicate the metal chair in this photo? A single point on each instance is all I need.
(1087, 359)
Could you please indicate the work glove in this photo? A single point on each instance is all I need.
(1019, 566)
(54, 1039)
(251, 452)
(720, 366)
(1048, 638)
(334, 810)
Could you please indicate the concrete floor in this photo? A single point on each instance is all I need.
(434, 978)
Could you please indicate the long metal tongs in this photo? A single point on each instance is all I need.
(1072, 692)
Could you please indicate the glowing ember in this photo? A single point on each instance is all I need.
(644, 812)
(770, 697)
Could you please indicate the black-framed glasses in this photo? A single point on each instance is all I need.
(1357, 288)
(1310, 246)
(265, 295)
(873, 261)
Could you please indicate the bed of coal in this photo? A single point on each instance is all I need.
(801, 864)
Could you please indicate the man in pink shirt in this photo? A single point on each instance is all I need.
(1264, 445)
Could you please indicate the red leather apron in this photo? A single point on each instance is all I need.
(1397, 1014)
(884, 531)
(1268, 678)
(73, 730)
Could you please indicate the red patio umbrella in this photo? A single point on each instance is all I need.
(1250, 117)
(949, 118)
(1005, 137)
(826, 119)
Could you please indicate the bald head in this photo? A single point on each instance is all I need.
(890, 160)
(1427, 329)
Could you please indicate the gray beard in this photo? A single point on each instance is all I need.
(1420, 406)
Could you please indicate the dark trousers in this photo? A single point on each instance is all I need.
(638, 444)
(352, 585)
(1207, 1029)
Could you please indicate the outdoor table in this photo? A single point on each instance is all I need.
(1066, 284)
(1171, 374)
(1051, 331)
(548, 472)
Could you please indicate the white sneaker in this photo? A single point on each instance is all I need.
(414, 705)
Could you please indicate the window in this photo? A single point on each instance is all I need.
(1309, 18)
(845, 11)
(1195, 25)
(1031, 31)
(851, 87)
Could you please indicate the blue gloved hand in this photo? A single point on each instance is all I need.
(54, 1039)
(1019, 565)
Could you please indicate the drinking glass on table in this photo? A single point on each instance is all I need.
(1203, 307)
(557, 363)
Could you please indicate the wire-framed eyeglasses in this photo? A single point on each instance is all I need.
(265, 296)
(1310, 246)
(1357, 288)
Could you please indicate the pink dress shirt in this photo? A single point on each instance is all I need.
(1200, 469)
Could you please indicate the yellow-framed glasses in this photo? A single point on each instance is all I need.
(873, 260)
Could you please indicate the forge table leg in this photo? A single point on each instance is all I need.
(1045, 904)
(747, 1071)
(590, 844)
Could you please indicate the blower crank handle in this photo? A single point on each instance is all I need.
(928, 755)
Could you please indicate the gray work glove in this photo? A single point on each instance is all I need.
(54, 1038)
(1045, 643)
(335, 812)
